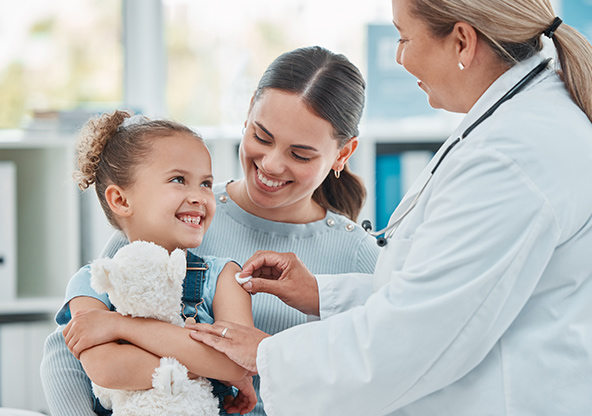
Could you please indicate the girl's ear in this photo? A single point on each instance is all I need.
(117, 201)
(345, 153)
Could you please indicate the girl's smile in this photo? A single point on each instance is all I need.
(192, 219)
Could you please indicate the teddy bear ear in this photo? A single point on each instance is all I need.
(100, 270)
(177, 263)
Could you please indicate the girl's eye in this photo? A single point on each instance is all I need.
(300, 158)
(178, 179)
(206, 184)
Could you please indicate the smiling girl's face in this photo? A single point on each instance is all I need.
(171, 202)
(286, 153)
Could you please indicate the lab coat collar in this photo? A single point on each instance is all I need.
(499, 87)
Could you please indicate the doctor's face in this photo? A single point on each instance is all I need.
(424, 56)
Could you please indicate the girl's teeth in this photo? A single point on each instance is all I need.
(191, 220)
(268, 182)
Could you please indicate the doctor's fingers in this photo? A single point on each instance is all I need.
(297, 287)
(269, 264)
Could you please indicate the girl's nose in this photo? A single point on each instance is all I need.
(197, 198)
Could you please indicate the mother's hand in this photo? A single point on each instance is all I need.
(238, 342)
(285, 276)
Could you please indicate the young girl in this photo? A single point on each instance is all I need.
(153, 179)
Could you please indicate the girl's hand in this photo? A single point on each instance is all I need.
(245, 400)
(89, 328)
(238, 342)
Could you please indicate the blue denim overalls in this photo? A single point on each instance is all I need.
(192, 296)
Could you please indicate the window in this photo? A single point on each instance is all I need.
(217, 51)
(58, 55)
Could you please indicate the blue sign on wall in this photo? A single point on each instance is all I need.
(391, 92)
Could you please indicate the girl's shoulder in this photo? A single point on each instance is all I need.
(216, 264)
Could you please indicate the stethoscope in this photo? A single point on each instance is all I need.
(390, 230)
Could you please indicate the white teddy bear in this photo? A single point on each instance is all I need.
(142, 280)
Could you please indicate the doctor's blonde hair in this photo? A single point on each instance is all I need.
(513, 28)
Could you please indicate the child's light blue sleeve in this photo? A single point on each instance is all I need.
(79, 285)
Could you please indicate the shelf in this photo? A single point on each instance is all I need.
(29, 310)
(36, 139)
(31, 306)
(48, 210)
(432, 129)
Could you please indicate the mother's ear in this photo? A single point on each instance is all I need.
(345, 153)
(117, 200)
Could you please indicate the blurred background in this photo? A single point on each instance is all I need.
(198, 62)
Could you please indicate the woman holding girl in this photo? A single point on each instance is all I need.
(297, 195)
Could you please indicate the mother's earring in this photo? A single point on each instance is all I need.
(461, 66)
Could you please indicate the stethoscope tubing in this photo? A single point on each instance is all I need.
(519, 86)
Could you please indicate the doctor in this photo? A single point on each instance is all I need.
(481, 300)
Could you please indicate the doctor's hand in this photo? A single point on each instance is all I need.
(285, 276)
(238, 342)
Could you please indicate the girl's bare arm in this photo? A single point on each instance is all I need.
(108, 363)
(93, 329)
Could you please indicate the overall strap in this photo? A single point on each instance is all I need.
(193, 285)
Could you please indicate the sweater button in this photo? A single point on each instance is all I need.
(330, 222)
(349, 227)
(223, 198)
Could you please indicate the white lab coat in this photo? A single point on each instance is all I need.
(481, 303)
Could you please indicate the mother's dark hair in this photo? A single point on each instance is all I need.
(333, 89)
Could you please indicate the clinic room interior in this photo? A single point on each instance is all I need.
(64, 61)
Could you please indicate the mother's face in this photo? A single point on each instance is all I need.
(286, 152)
